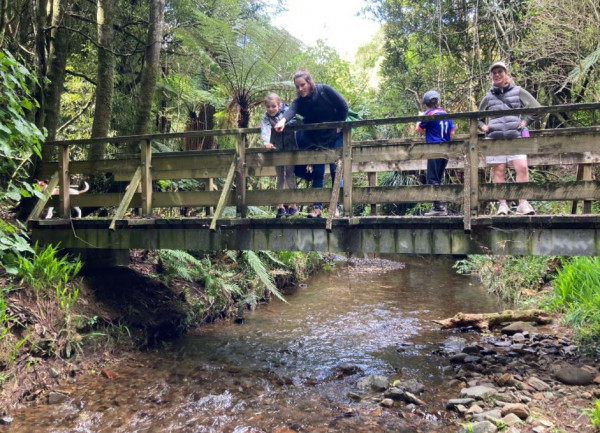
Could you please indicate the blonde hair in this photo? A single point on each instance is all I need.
(273, 97)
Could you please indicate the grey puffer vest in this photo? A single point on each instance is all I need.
(503, 99)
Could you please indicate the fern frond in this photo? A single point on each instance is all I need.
(232, 254)
(181, 264)
(258, 267)
(274, 259)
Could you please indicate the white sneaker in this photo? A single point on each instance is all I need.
(525, 209)
(503, 209)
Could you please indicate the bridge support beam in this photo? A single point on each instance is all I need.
(566, 235)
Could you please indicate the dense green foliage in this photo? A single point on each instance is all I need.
(20, 139)
(46, 278)
(576, 294)
(220, 286)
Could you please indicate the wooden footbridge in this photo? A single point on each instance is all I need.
(141, 217)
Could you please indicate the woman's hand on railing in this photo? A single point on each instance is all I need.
(280, 125)
(485, 128)
(270, 146)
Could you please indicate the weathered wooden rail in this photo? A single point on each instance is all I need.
(578, 146)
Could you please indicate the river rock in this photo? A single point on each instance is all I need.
(494, 414)
(511, 419)
(412, 386)
(57, 397)
(571, 375)
(518, 409)
(456, 401)
(506, 379)
(387, 402)
(458, 358)
(479, 427)
(454, 345)
(478, 392)
(537, 384)
(519, 327)
(373, 382)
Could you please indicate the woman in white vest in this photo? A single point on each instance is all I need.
(504, 95)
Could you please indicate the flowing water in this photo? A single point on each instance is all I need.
(289, 367)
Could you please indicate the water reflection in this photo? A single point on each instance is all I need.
(279, 371)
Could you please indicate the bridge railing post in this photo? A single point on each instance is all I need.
(64, 183)
(240, 185)
(471, 178)
(146, 183)
(347, 170)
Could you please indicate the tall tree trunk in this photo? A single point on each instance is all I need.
(105, 75)
(39, 12)
(57, 63)
(203, 121)
(151, 68)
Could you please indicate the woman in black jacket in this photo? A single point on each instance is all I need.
(316, 103)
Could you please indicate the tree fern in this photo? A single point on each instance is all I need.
(579, 73)
(258, 267)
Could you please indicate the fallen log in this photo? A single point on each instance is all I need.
(484, 321)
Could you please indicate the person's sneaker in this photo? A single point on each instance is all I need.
(437, 211)
(314, 212)
(281, 212)
(525, 209)
(292, 211)
(503, 209)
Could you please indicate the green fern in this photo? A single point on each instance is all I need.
(232, 254)
(181, 264)
(258, 267)
(274, 259)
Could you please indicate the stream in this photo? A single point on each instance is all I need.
(289, 367)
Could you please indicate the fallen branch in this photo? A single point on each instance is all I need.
(486, 320)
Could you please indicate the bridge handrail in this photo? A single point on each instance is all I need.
(468, 145)
(329, 125)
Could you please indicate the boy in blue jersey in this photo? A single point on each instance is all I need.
(435, 132)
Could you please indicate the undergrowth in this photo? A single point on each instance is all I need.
(225, 285)
(508, 277)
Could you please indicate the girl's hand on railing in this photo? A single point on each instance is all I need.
(485, 128)
(270, 146)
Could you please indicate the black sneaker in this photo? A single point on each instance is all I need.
(292, 211)
(281, 212)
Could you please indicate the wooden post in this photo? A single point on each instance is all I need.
(64, 183)
(131, 190)
(471, 180)
(240, 186)
(335, 194)
(41, 203)
(584, 172)
(146, 182)
(347, 170)
(373, 182)
(224, 195)
(210, 187)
